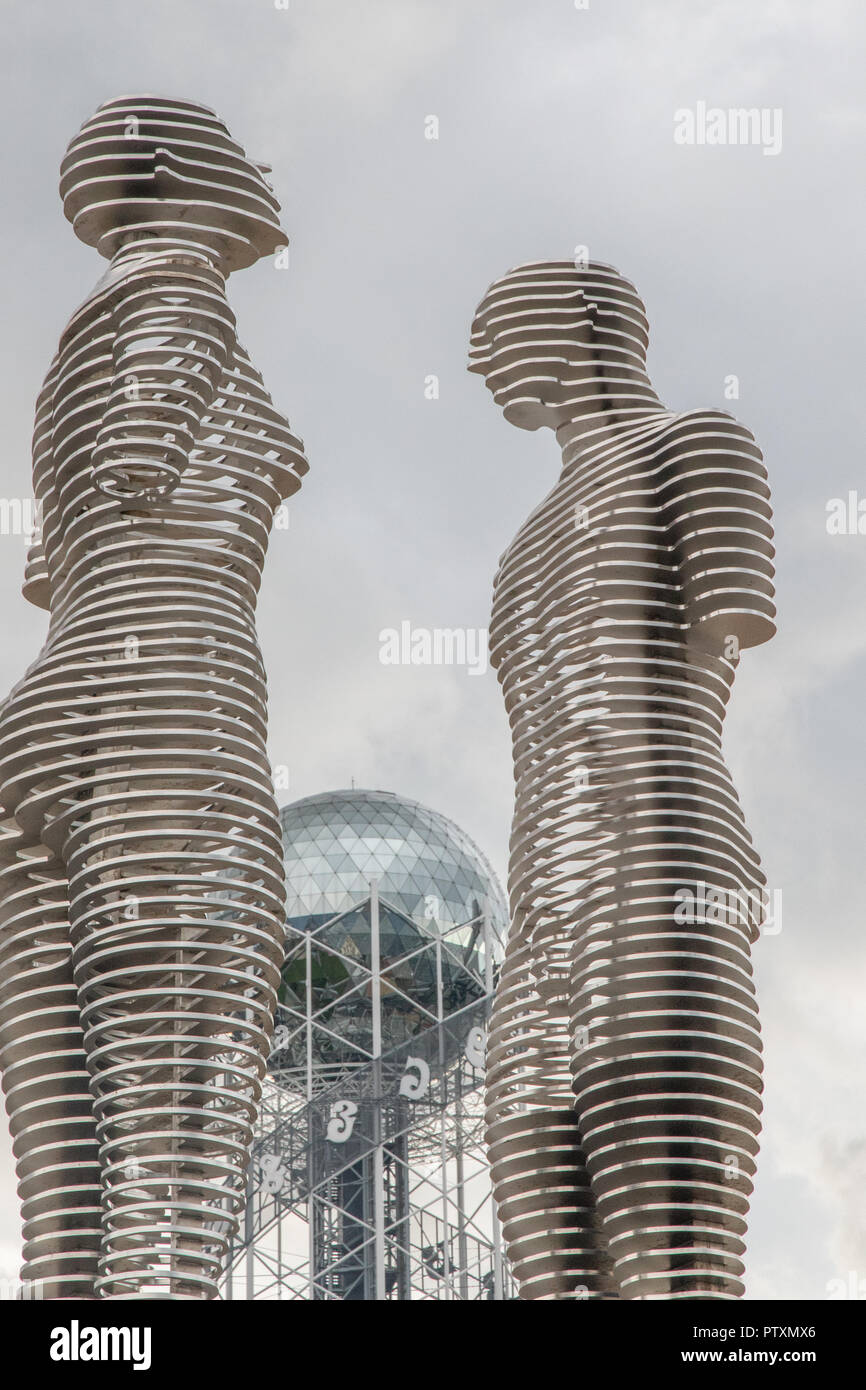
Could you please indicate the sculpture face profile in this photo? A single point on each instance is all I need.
(141, 891)
(624, 1068)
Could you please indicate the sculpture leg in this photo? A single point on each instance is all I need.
(668, 1082)
(540, 1183)
(177, 951)
(45, 1076)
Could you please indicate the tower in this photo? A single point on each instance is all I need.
(369, 1178)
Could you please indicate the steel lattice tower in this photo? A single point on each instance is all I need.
(369, 1177)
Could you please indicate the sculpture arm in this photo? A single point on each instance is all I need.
(716, 503)
(174, 333)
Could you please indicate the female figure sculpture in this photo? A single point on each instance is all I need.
(141, 896)
(624, 1055)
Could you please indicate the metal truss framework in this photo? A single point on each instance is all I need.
(369, 1179)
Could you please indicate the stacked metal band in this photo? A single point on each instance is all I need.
(620, 610)
(142, 910)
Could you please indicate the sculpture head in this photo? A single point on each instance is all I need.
(152, 166)
(555, 340)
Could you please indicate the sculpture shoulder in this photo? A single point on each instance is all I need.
(715, 447)
(713, 427)
(717, 508)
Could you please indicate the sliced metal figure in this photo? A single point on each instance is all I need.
(141, 896)
(624, 1068)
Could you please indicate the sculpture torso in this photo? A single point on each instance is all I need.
(243, 457)
(609, 614)
(595, 613)
(156, 582)
(142, 861)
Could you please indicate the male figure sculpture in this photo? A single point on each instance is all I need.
(141, 891)
(624, 1054)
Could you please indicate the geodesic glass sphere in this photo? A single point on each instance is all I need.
(425, 865)
(433, 885)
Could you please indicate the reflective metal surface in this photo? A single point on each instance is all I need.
(142, 880)
(624, 1058)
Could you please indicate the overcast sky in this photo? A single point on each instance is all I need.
(556, 129)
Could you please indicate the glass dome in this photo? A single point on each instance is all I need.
(425, 865)
(374, 1105)
(430, 964)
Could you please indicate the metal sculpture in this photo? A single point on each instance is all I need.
(142, 881)
(624, 1057)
